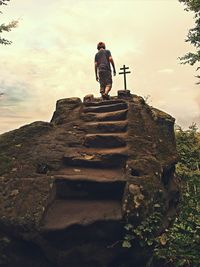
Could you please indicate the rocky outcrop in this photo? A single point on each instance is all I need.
(68, 186)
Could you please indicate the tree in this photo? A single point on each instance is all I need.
(194, 34)
(8, 27)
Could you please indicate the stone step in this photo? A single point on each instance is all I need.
(96, 238)
(105, 140)
(95, 158)
(107, 116)
(63, 214)
(92, 174)
(106, 108)
(103, 102)
(84, 187)
(106, 127)
(90, 183)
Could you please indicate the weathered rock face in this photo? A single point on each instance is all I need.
(68, 186)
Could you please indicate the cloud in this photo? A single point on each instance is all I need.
(167, 71)
(13, 95)
(186, 122)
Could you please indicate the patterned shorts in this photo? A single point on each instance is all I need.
(105, 79)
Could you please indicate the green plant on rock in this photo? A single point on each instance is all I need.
(179, 245)
(145, 232)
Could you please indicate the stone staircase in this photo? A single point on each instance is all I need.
(89, 189)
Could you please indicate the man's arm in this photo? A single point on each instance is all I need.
(113, 65)
(95, 68)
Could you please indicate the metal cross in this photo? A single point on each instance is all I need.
(124, 72)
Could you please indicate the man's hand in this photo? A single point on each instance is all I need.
(97, 78)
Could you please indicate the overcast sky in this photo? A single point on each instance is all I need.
(53, 50)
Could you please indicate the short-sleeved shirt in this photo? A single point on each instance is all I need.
(102, 59)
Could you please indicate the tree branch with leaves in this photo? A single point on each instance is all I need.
(6, 27)
(193, 35)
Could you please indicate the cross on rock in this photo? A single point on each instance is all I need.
(124, 72)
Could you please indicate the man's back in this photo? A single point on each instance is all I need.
(102, 59)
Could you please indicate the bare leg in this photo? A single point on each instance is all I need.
(102, 91)
(107, 89)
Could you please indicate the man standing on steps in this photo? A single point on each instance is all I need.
(102, 69)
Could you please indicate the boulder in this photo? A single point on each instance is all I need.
(68, 187)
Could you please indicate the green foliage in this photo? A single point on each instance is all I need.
(7, 27)
(194, 34)
(3, 2)
(183, 238)
(192, 5)
(188, 147)
(145, 233)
